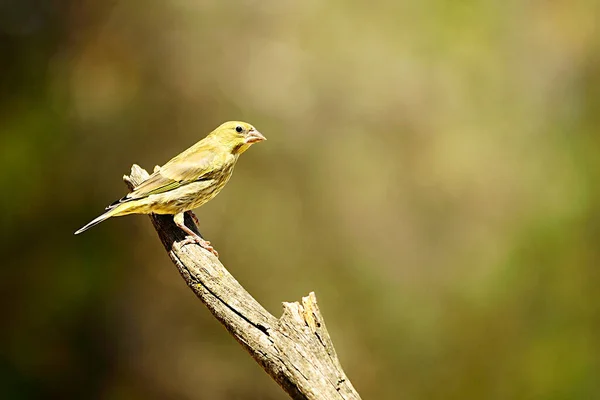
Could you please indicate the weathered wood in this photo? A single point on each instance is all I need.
(295, 350)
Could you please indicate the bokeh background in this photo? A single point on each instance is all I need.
(431, 173)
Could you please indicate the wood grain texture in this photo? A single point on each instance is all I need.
(295, 350)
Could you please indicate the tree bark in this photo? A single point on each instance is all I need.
(295, 350)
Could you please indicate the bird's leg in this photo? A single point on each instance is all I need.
(191, 214)
(193, 237)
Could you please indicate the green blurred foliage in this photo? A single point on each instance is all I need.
(431, 172)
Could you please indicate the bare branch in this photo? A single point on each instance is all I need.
(295, 350)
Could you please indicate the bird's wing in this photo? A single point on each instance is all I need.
(190, 166)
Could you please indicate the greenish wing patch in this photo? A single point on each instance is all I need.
(165, 188)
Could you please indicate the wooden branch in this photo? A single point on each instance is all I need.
(295, 350)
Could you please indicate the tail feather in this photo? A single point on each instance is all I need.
(96, 221)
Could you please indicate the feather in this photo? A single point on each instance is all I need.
(190, 179)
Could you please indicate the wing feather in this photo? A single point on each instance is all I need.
(198, 163)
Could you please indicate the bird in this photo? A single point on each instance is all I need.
(189, 180)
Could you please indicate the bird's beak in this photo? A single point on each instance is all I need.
(254, 136)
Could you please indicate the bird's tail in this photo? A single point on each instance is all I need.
(110, 213)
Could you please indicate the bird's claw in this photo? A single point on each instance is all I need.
(205, 244)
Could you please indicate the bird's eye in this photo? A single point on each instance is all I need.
(239, 129)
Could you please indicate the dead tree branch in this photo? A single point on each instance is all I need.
(295, 350)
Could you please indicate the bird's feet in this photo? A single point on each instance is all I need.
(205, 244)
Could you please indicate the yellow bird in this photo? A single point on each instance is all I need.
(188, 180)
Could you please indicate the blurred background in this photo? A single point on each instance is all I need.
(431, 173)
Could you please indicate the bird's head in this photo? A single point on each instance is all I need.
(238, 136)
